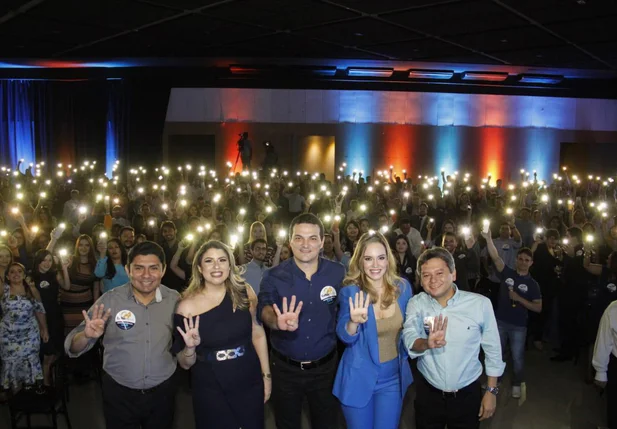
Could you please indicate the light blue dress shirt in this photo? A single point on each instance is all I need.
(253, 274)
(471, 324)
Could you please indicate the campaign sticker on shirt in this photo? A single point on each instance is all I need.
(328, 294)
(510, 282)
(44, 284)
(505, 247)
(611, 287)
(462, 256)
(408, 270)
(523, 288)
(125, 320)
(428, 324)
(579, 253)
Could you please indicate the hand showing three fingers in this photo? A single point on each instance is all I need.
(358, 307)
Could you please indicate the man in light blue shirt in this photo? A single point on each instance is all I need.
(444, 328)
(254, 270)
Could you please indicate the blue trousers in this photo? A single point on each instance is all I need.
(516, 336)
(383, 410)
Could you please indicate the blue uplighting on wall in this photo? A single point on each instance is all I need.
(447, 150)
(17, 128)
(357, 148)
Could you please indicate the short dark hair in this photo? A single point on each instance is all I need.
(127, 228)
(309, 218)
(435, 252)
(576, 232)
(258, 241)
(552, 233)
(146, 248)
(168, 224)
(525, 251)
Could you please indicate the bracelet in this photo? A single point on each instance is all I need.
(189, 356)
(267, 376)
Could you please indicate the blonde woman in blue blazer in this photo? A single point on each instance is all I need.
(373, 374)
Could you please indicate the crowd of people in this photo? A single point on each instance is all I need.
(286, 284)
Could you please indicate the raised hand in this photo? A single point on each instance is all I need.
(288, 319)
(95, 325)
(358, 307)
(101, 246)
(191, 332)
(437, 333)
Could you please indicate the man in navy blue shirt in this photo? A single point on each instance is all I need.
(298, 302)
(518, 294)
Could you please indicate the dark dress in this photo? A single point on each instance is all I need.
(48, 287)
(228, 391)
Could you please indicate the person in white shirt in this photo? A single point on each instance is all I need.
(69, 211)
(605, 361)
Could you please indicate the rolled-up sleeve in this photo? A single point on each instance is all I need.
(80, 328)
(413, 328)
(268, 294)
(491, 344)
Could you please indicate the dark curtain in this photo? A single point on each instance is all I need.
(70, 121)
(18, 120)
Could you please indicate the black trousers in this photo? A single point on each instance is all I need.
(611, 393)
(434, 410)
(126, 408)
(569, 326)
(291, 384)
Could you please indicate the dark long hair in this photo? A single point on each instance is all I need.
(110, 271)
(39, 257)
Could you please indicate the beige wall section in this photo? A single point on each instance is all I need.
(316, 153)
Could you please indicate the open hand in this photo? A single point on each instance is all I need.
(191, 332)
(358, 307)
(437, 333)
(288, 319)
(95, 325)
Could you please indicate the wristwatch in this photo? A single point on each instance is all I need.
(493, 390)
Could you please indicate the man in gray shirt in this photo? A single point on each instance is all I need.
(254, 270)
(137, 320)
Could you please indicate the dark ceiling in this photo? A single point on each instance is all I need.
(571, 34)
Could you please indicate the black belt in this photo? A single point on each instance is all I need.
(451, 394)
(307, 364)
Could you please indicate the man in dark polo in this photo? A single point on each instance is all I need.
(137, 320)
(298, 302)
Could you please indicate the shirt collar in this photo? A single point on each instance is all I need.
(158, 295)
(297, 271)
(452, 300)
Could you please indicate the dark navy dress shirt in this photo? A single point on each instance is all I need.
(316, 333)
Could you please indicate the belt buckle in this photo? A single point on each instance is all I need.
(446, 394)
(305, 363)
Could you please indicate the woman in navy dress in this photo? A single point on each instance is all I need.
(217, 336)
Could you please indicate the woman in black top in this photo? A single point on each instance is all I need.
(48, 282)
(405, 260)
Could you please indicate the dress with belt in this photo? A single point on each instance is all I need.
(228, 389)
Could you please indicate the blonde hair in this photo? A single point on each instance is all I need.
(252, 232)
(357, 276)
(234, 284)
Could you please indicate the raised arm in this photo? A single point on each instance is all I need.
(492, 251)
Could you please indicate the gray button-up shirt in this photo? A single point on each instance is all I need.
(137, 337)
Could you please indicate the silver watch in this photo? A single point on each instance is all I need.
(493, 390)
